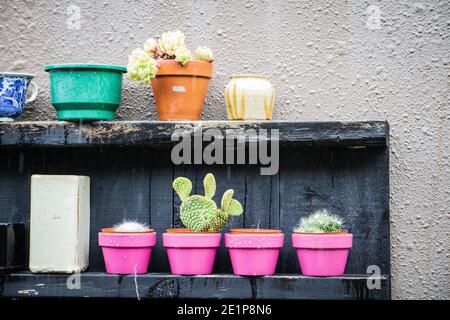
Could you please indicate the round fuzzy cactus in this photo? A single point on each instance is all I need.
(320, 221)
(200, 213)
(130, 226)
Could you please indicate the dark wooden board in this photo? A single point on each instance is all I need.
(145, 133)
(215, 286)
(161, 205)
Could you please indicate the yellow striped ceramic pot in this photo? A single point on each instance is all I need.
(249, 97)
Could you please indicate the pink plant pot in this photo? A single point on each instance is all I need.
(127, 253)
(254, 254)
(191, 253)
(322, 254)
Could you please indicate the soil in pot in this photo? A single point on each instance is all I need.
(85, 91)
(254, 231)
(322, 254)
(189, 252)
(112, 230)
(186, 230)
(254, 252)
(127, 252)
(179, 90)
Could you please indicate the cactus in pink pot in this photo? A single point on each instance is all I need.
(127, 247)
(192, 250)
(322, 244)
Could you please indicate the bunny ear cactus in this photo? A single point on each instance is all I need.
(200, 213)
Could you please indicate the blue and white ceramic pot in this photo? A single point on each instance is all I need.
(13, 92)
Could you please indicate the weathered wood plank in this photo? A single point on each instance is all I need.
(157, 285)
(228, 177)
(275, 202)
(144, 133)
(14, 185)
(361, 197)
(161, 205)
(257, 199)
(119, 190)
(15, 168)
(341, 288)
(306, 188)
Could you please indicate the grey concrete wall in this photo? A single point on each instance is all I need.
(329, 60)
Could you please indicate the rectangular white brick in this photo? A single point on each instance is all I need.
(59, 224)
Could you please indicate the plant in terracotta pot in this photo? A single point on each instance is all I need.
(254, 252)
(322, 244)
(192, 250)
(127, 247)
(179, 79)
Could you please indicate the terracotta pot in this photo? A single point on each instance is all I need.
(254, 231)
(343, 231)
(126, 252)
(322, 254)
(254, 252)
(185, 230)
(113, 230)
(191, 253)
(179, 230)
(179, 90)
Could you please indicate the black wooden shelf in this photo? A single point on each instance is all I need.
(216, 286)
(145, 133)
(345, 169)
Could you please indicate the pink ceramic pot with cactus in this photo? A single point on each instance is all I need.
(192, 250)
(126, 252)
(322, 244)
(254, 252)
(189, 252)
(322, 254)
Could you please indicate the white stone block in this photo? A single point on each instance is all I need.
(59, 224)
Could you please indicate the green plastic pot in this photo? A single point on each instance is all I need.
(85, 91)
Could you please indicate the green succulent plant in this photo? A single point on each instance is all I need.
(200, 213)
(320, 221)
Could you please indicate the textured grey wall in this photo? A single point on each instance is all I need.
(328, 60)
